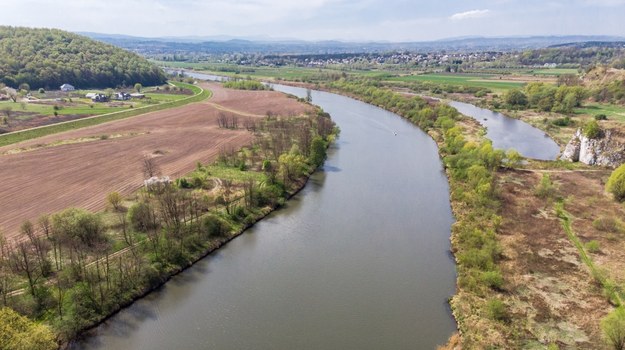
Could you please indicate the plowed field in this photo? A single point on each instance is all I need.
(79, 168)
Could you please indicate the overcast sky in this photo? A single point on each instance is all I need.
(379, 20)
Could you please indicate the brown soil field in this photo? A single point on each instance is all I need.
(551, 289)
(44, 175)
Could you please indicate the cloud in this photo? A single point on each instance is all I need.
(469, 14)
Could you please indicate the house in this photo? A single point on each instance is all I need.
(99, 98)
(122, 96)
(137, 95)
(67, 87)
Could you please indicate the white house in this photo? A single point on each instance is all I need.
(67, 87)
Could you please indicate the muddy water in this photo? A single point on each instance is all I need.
(358, 260)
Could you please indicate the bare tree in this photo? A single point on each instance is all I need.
(150, 168)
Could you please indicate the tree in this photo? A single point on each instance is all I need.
(616, 183)
(150, 168)
(24, 87)
(513, 158)
(138, 87)
(115, 200)
(7, 111)
(317, 151)
(19, 333)
(613, 328)
(291, 165)
(515, 98)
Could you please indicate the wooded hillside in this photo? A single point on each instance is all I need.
(48, 58)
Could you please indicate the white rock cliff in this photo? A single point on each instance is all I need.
(603, 150)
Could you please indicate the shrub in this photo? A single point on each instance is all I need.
(497, 310)
(141, 217)
(115, 200)
(213, 226)
(493, 279)
(607, 224)
(593, 246)
(613, 328)
(566, 121)
(616, 183)
(183, 183)
(592, 129)
(545, 188)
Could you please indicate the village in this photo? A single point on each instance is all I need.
(24, 108)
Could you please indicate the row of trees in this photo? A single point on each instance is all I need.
(547, 98)
(47, 58)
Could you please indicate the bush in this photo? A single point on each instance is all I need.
(601, 117)
(613, 328)
(115, 200)
(141, 217)
(213, 226)
(566, 121)
(593, 246)
(497, 310)
(493, 279)
(183, 183)
(592, 129)
(545, 188)
(607, 224)
(616, 183)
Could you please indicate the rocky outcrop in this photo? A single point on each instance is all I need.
(604, 150)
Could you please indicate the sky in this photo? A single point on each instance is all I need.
(349, 20)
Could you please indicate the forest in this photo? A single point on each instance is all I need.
(48, 58)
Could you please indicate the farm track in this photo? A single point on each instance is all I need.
(50, 179)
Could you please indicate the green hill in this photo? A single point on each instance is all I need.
(48, 58)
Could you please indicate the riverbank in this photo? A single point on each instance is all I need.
(140, 242)
(522, 282)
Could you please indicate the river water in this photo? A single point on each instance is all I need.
(359, 259)
(506, 132)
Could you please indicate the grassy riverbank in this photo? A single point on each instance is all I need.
(471, 166)
(525, 280)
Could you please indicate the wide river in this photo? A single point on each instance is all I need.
(357, 260)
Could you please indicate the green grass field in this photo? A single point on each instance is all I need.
(483, 81)
(613, 112)
(553, 71)
(84, 106)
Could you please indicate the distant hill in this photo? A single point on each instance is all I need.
(581, 54)
(49, 58)
(152, 47)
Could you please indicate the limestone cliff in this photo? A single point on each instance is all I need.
(605, 150)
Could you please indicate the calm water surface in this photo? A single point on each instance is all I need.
(358, 260)
(506, 132)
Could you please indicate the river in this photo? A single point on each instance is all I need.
(359, 259)
(506, 132)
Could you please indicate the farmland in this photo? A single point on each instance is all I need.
(79, 167)
(28, 134)
(496, 83)
(54, 107)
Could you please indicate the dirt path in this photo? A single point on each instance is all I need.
(49, 179)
